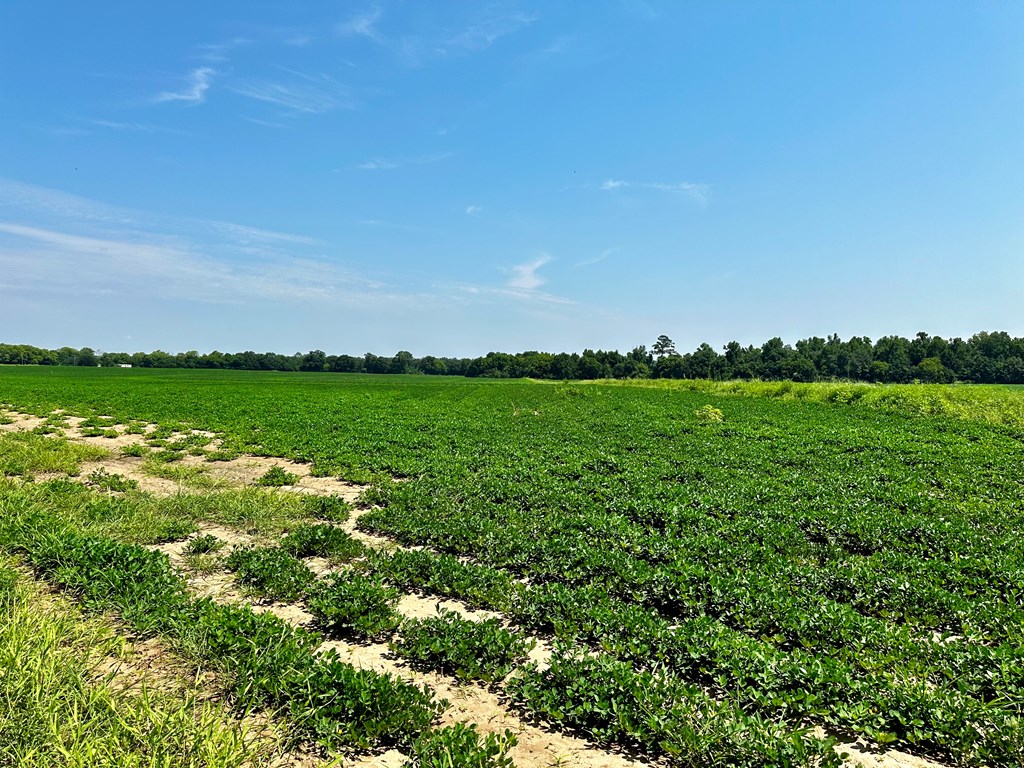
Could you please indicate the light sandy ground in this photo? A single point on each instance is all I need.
(470, 703)
(236, 473)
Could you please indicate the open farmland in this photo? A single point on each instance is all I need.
(661, 575)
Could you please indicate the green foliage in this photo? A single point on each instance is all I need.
(661, 716)
(837, 555)
(60, 707)
(112, 482)
(460, 746)
(341, 706)
(222, 455)
(270, 572)
(322, 541)
(474, 650)
(203, 545)
(268, 662)
(353, 605)
(709, 414)
(332, 509)
(445, 576)
(276, 477)
(27, 454)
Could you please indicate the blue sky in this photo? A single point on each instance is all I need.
(453, 178)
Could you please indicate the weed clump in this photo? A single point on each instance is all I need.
(709, 414)
(114, 482)
(275, 477)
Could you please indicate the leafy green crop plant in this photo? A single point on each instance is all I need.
(270, 572)
(332, 509)
(661, 715)
(269, 662)
(354, 605)
(445, 576)
(473, 650)
(460, 746)
(322, 540)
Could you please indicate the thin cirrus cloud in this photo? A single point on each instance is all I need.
(594, 260)
(415, 49)
(377, 164)
(389, 164)
(698, 192)
(302, 93)
(163, 267)
(362, 25)
(195, 88)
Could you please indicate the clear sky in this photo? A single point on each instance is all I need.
(452, 177)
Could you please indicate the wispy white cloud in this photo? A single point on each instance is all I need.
(115, 125)
(483, 35)
(473, 210)
(304, 93)
(600, 257)
(183, 283)
(164, 267)
(438, 44)
(196, 85)
(255, 234)
(217, 53)
(265, 123)
(524, 277)
(517, 295)
(388, 164)
(362, 25)
(377, 164)
(698, 192)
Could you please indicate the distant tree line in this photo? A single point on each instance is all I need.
(985, 358)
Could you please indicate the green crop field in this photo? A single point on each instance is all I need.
(724, 575)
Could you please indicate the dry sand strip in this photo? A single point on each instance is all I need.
(537, 747)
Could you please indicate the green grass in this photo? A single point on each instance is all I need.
(61, 705)
(26, 454)
(190, 475)
(145, 519)
(995, 404)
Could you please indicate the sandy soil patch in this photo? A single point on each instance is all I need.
(20, 422)
(243, 471)
(863, 757)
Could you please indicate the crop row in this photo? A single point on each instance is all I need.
(268, 662)
(359, 606)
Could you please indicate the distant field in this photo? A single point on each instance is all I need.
(991, 403)
(732, 573)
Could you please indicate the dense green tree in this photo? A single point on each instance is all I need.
(314, 360)
(663, 347)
